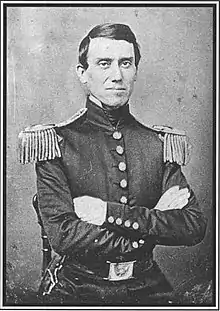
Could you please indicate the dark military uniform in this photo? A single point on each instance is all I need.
(111, 156)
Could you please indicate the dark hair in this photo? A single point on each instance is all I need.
(111, 31)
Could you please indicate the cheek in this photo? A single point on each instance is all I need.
(130, 82)
(96, 78)
(129, 78)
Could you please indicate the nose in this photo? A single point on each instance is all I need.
(116, 74)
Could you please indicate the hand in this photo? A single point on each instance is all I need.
(90, 209)
(173, 198)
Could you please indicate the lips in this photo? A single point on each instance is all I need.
(116, 89)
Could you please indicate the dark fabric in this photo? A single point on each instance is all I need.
(75, 286)
(118, 115)
(89, 166)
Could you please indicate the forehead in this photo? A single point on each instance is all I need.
(110, 48)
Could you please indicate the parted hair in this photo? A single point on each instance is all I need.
(111, 31)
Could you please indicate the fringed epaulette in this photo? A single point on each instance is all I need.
(38, 143)
(41, 142)
(176, 144)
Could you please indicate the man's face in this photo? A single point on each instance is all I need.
(111, 71)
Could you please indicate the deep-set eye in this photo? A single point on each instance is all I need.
(104, 64)
(126, 64)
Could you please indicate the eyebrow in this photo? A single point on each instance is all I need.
(103, 58)
(127, 58)
(110, 59)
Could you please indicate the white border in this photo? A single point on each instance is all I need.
(217, 157)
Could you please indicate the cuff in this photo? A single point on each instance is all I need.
(121, 216)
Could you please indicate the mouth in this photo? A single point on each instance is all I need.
(116, 89)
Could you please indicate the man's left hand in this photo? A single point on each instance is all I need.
(90, 209)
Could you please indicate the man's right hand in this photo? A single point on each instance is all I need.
(173, 198)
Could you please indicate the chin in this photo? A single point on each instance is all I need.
(115, 103)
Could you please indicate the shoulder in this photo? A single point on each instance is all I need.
(75, 119)
(41, 142)
(176, 145)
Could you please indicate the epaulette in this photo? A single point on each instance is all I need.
(41, 142)
(176, 146)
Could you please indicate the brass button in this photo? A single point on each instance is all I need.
(123, 183)
(141, 241)
(135, 244)
(120, 150)
(117, 135)
(118, 221)
(122, 166)
(111, 219)
(135, 225)
(123, 200)
(127, 223)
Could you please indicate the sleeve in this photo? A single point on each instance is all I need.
(185, 226)
(66, 232)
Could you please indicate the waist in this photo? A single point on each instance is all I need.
(114, 271)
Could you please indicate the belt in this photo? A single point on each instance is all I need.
(118, 271)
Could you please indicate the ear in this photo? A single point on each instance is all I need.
(81, 73)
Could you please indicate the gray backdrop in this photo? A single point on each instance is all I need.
(174, 87)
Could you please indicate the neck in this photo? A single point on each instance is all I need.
(114, 116)
(104, 106)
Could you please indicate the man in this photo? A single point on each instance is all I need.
(109, 188)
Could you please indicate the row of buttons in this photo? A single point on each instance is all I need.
(121, 166)
(135, 244)
(123, 184)
(127, 223)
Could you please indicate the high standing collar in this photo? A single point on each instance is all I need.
(108, 119)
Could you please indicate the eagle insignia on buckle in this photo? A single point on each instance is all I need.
(120, 270)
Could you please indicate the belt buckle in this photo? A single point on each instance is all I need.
(120, 270)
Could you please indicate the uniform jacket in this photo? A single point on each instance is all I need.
(126, 170)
